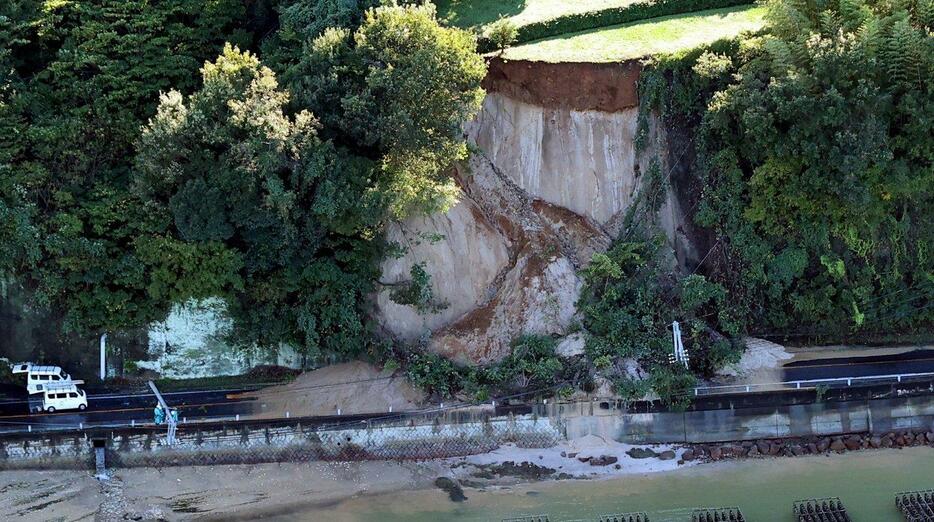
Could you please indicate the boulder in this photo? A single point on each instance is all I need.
(823, 444)
(715, 453)
(875, 441)
(603, 460)
(667, 455)
(853, 443)
(687, 455)
(571, 345)
(838, 446)
(641, 453)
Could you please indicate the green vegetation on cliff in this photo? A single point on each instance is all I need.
(271, 197)
(817, 165)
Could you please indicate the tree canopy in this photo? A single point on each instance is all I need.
(270, 196)
(820, 167)
(816, 164)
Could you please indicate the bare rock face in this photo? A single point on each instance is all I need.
(546, 188)
(462, 253)
(536, 297)
(571, 345)
(518, 277)
(582, 161)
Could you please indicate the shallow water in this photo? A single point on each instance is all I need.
(764, 489)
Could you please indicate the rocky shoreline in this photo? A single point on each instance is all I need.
(801, 446)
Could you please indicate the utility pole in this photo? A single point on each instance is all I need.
(169, 418)
(680, 355)
(103, 356)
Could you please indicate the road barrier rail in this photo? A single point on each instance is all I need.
(834, 382)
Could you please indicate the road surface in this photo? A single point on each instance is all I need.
(917, 361)
(122, 409)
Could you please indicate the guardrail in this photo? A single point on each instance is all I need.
(322, 422)
(835, 382)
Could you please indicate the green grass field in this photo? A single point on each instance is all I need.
(654, 36)
(472, 13)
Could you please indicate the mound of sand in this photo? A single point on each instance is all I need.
(761, 362)
(354, 387)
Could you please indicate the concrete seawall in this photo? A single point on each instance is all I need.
(799, 420)
(459, 433)
(243, 444)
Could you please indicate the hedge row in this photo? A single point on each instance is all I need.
(573, 23)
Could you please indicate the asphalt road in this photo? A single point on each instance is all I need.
(917, 361)
(122, 409)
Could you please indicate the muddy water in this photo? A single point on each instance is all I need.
(764, 489)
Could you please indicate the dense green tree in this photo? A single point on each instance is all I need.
(627, 306)
(397, 88)
(251, 191)
(81, 79)
(287, 212)
(819, 167)
(233, 192)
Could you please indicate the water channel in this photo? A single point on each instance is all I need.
(764, 489)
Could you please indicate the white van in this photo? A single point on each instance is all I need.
(63, 396)
(38, 377)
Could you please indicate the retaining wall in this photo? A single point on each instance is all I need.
(289, 442)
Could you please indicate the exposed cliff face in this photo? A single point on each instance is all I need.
(583, 161)
(471, 252)
(548, 186)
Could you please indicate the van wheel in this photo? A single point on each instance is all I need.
(50, 409)
(82, 407)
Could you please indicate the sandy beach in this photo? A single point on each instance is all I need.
(273, 490)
